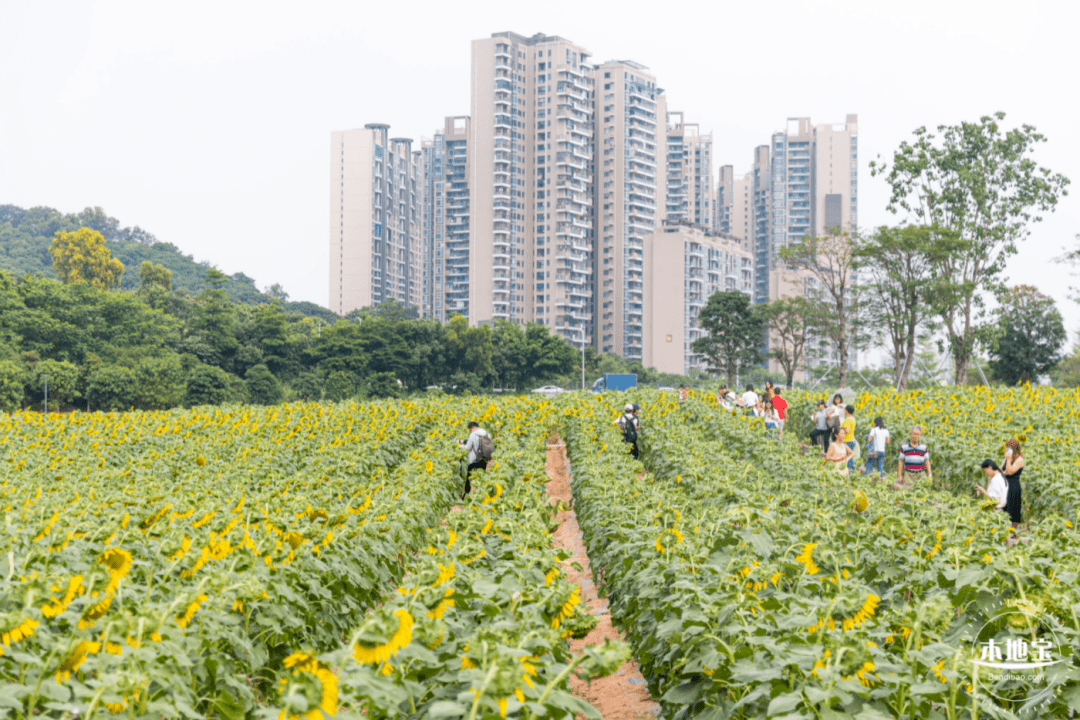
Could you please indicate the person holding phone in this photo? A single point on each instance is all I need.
(1011, 469)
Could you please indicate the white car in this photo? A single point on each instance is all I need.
(549, 390)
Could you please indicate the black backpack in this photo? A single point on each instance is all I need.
(629, 431)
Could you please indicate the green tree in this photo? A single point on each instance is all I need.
(828, 263)
(154, 276)
(1066, 374)
(734, 331)
(63, 378)
(262, 387)
(382, 385)
(339, 386)
(307, 387)
(789, 320)
(213, 322)
(895, 267)
(1030, 338)
(469, 349)
(12, 379)
(159, 383)
(979, 181)
(111, 387)
(206, 385)
(81, 256)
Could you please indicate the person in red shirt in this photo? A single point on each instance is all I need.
(780, 405)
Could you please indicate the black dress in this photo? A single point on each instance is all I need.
(1012, 498)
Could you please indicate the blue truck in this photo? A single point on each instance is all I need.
(615, 382)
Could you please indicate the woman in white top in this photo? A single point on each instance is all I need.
(759, 406)
(996, 488)
(834, 416)
(876, 442)
(772, 420)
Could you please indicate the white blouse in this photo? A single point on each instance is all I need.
(998, 489)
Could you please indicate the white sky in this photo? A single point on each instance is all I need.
(207, 123)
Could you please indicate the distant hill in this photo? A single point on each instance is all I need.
(25, 236)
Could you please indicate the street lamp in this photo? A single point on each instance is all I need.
(46, 395)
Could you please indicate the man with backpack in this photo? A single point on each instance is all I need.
(628, 423)
(481, 447)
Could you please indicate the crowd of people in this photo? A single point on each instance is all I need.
(834, 430)
(767, 405)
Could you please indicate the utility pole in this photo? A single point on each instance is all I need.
(46, 395)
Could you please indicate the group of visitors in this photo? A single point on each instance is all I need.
(767, 405)
(834, 426)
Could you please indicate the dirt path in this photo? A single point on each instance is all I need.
(622, 696)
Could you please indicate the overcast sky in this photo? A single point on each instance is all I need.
(207, 123)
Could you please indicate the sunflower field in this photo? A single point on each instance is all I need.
(291, 561)
(752, 582)
(316, 561)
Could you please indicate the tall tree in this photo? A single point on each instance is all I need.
(1031, 336)
(81, 256)
(154, 276)
(895, 269)
(214, 321)
(829, 262)
(789, 321)
(734, 330)
(979, 181)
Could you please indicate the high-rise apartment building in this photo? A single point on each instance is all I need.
(628, 199)
(688, 173)
(375, 231)
(530, 156)
(684, 265)
(734, 205)
(446, 210)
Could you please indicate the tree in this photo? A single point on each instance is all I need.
(829, 262)
(278, 293)
(789, 321)
(382, 385)
(469, 349)
(262, 387)
(206, 385)
(154, 276)
(1066, 374)
(214, 321)
(339, 386)
(735, 329)
(111, 387)
(980, 182)
(12, 379)
(81, 256)
(1031, 336)
(895, 268)
(63, 379)
(159, 382)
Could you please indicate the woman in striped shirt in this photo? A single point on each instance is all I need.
(914, 462)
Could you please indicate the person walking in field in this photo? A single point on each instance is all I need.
(839, 452)
(780, 405)
(876, 443)
(914, 462)
(821, 429)
(628, 423)
(847, 428)
(1011, 469)
(480, 447)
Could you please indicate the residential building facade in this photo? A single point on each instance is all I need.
(530, 154)
(375, 224)
(628, 197)
(446, 221)
(684, 265)
(688, 172)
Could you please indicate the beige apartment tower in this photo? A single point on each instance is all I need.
(530, 179)
(734, 205)
(688, 173)
(375, 238)
(629, 192)
(684, 265)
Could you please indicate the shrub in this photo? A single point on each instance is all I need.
(111, 387)
(206, 385)
(262, 387)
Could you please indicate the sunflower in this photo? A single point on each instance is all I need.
(118, 562)
(77, 657)
(367, 653)
(446, 603)
(185, 619)
(861, 502)
(20, 632)
(328, 702)
(54, 607)
(806, 557)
